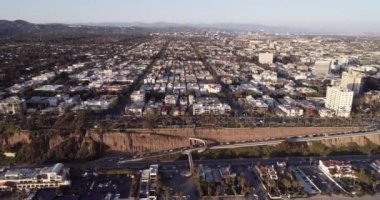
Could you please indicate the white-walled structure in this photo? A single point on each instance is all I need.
(340, 100)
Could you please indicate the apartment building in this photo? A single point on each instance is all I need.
(340, 100)
(290, 110)
(353, 80)
(266, 58)
(322, 68)
(255, 105)
(210, 106)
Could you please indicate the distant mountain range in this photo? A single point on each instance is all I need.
(24, 28)
(218, 26)
(238, 27)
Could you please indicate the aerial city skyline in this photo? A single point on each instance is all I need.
(189, 99)
(349, 16)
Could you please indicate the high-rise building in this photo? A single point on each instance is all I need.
(266, 58)
(322, 68)
(340, 100)
(353, 80)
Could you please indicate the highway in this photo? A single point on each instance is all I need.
(240, 144)
(248, 144)
(303, 138)
(332, 136)
(299, 160)
(138, 159)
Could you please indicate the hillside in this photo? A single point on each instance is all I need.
(21, 28)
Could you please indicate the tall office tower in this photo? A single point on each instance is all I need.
(340, 100)
(353, 80)
(266, 58)
(322, 68)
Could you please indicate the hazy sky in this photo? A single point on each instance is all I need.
(317, 14)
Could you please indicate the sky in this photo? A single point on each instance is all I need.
(344, 15)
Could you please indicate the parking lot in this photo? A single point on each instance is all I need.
(320, 180)
(253, 181)
(179, 184)
(100, 186)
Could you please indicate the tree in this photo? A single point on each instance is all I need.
(286, 183)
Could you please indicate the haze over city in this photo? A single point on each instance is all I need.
(347, 16)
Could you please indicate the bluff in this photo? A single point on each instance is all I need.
(92, 143)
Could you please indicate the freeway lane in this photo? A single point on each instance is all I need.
(332, 136)
(232, 145)
(303, 160)
(248, 144)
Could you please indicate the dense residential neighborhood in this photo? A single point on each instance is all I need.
(189, 114)
(211, 73)
(189, 100)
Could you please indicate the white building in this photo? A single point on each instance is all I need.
(104, 102)
(291, 111)
(12, 105)
(148, 184)
(210, 106)
(138, 96)
(210, 88)
(135, 109)
(37, 178)
(325, 113)
(322, 68)
(352, 80)
(340, 100)
(49, 88)
(266, 58)
(336, 168)
(171, 99)
(256, 105)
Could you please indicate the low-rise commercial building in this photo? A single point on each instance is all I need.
(336, 168)
(148, 184)
(35, 178)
